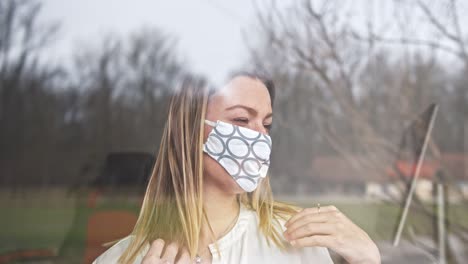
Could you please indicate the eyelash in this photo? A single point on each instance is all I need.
(243, 120)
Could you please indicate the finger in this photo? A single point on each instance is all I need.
(154, 252)
(151, 259)
(310, 218)
(184, 258)
(308, 211)
(170, 252)
(314, 241)
(311, 229)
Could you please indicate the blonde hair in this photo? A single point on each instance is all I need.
(172, 208)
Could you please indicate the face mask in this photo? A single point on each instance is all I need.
(244, 153)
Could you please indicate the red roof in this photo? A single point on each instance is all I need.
(407, 168)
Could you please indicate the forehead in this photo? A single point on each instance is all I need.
(243, 90)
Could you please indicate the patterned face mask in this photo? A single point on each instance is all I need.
(244, 153)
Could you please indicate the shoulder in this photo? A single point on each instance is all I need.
(112, 254)
(317, 254)
(299, 255)
(271, 253)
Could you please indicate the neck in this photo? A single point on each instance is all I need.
(221, 210)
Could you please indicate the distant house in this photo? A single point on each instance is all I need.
(338, 175)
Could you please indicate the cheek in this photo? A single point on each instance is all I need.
(212, 167)
(206, 132)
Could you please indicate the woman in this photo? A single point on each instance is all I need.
(209, 198)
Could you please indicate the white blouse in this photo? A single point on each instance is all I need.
(244, 243)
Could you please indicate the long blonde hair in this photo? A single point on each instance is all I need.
(172, 208)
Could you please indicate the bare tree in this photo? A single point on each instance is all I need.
(318, 42)
(24, 87)
(360, 88)
(124, 84)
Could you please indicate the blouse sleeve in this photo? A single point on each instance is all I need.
(113, 254)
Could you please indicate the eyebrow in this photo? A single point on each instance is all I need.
(249, 109)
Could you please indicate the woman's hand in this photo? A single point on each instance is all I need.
(158, 254)
(328, 227)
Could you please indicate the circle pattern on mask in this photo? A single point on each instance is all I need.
(251, 167)
(260, 149)
(248, 133)
(246, 183)
(241, 151)
(231, 165)
(224, 129)
(215, 146)
(238, 147)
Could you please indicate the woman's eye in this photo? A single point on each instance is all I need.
(267, 127)
(241, 120)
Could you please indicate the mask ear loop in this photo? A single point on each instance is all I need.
(210, 123)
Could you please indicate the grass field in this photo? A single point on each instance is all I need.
(59, 221)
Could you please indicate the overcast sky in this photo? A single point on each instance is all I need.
(209, 31)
